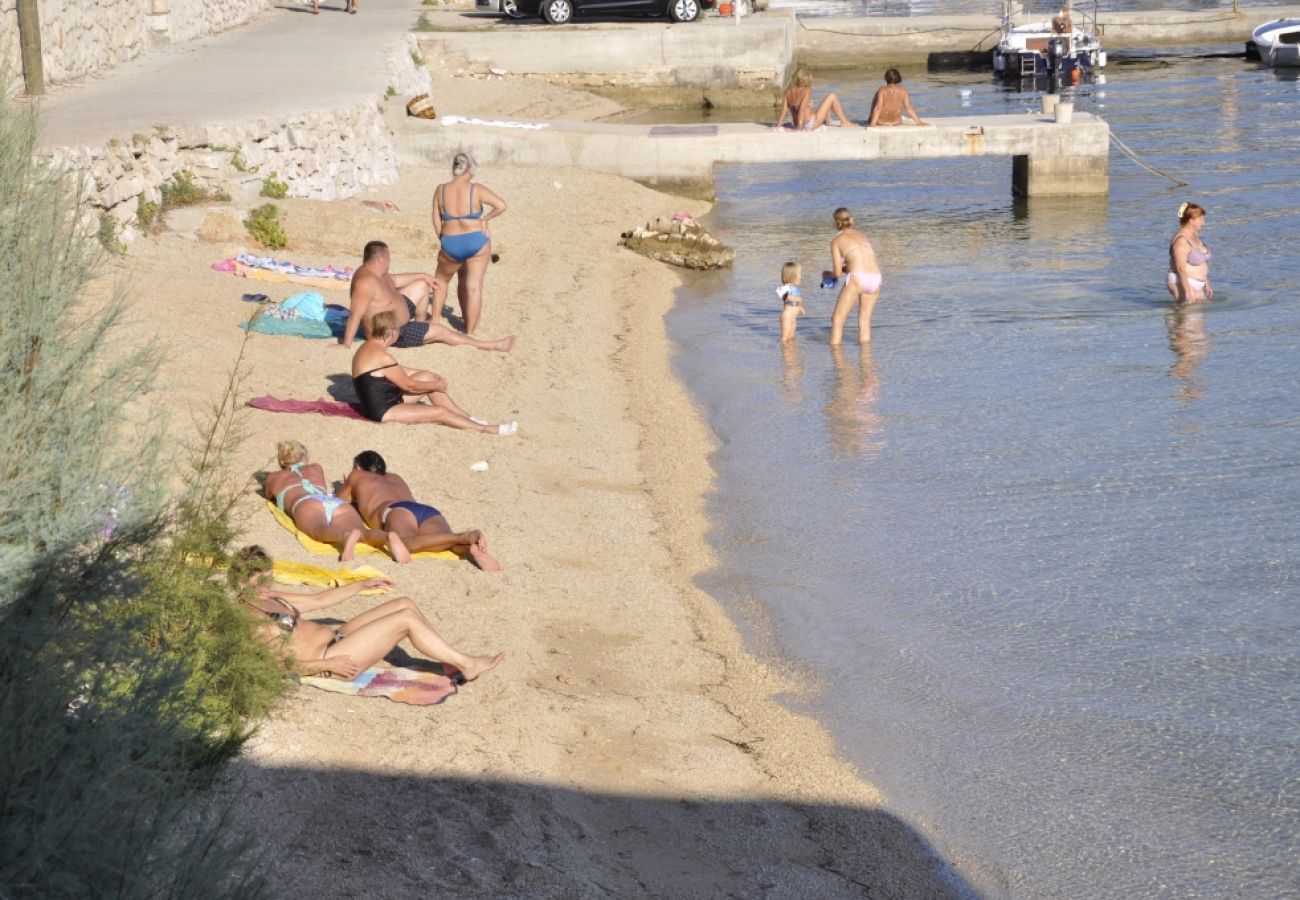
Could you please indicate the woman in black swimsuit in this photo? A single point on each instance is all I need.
(349, 649)
(390, 392)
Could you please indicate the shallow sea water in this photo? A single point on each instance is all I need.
(1040, 543)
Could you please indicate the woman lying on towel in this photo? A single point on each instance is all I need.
(349, 649)
(393, 393)
(299, 490)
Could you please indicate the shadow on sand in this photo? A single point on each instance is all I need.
(357, 834)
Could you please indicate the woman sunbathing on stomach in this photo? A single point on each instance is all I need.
(298, 488)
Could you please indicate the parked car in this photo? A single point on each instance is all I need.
(561, 12)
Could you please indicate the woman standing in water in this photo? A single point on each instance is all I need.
(1189, 258)
(853, 255)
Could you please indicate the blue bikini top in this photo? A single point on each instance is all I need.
(473, 216)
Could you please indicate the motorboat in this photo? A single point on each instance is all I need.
(1059, 47)
(1278, 42)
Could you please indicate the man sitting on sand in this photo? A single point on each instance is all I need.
(376, 290)
(383, 497)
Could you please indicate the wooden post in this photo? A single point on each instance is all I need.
(29, 37)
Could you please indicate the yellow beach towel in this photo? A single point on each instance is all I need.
(314, 546)
(303, 573)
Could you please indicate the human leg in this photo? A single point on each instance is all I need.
(848, 296)
(441, 334)
(447, 268)
(373, 640)
(830, 104)
(418, 296)
(343, 529)
(471, 277)
(866, 307)
(425, 413)
(789, 315)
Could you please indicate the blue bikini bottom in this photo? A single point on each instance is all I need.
(461, 247)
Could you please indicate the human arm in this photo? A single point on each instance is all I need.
(406, 279)
(415, 381)
(332, 596)
(875, 110)
(785, 108)
(1178, 250)
(488, 198)
(345, 491)
(342, 665)
(907, 104)
(359, 297)
(436, 215)
(837, 260)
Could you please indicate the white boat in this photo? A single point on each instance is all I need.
(1278, 42)
(1041, 48)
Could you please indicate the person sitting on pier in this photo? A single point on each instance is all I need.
(376, 290)
(384, 498)
(798, 103)
(888, 105)
(1062, 23)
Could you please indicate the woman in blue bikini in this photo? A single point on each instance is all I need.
(298, 488)
(466, 242)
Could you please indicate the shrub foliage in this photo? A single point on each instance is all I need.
(127, 675)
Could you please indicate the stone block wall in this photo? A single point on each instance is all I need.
(80, 37)
(321, 155)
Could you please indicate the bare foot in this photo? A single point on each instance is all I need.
(483, 559)
(400, 554)
(477, 665)
(505, 345)
(350, 546)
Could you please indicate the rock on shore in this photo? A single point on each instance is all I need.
(679, 242)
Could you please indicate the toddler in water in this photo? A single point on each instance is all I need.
(791, 300)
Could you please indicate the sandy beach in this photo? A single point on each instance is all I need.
(628, 745)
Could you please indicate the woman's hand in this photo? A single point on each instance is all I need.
(376, 582)
(343, 666)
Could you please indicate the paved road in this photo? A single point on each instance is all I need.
(285, 60)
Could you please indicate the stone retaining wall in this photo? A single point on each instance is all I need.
(80, 37)
(322, 155)
(319, 155)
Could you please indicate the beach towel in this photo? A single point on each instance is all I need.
(325, 407)
(320, 549)
(280, 319)
(303, 573)
(265, 268)
(495, 123)
(397, 684)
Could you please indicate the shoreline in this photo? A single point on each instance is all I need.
(629, 742)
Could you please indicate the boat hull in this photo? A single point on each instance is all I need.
(1278, 42)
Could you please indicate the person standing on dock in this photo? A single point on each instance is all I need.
(853, 255)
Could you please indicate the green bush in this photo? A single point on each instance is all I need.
(276, 190)
(147, 214)
(109, 235)
(182, 191)
(222, 194)
(264, 224)
(237, 163)
(127, 674)
(423, 24)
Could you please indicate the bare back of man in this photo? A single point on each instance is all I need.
(386, 498)
(406, 295)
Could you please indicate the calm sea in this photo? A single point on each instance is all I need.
(994, 7)
(1041, 543)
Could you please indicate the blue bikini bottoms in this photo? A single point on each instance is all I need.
(461, 247)
(421, 511)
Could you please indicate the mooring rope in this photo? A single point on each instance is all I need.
(1132, 154)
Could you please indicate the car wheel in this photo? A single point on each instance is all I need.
(511, 9)
(683, 10)
(560, 12)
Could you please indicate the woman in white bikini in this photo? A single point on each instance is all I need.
(1189, 259)
(853, 255)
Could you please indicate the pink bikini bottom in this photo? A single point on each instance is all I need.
(867, 282)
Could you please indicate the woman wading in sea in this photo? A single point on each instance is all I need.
(853, 255)
(1189, 258)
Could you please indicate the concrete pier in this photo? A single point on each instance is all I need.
(1048, 159)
